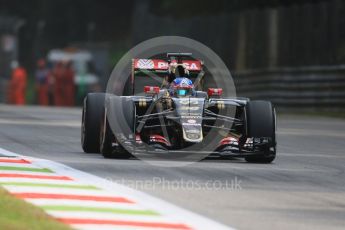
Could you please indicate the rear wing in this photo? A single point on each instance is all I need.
(153, 71)
(160, 66)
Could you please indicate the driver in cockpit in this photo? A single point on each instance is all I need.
(178, 83)
(177, 71)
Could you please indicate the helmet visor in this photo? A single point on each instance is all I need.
(181, 92)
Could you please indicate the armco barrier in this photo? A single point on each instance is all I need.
(307, 88)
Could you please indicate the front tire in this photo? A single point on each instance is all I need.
(106, 137)
(261, 122)
(119, 108)
(91, 118)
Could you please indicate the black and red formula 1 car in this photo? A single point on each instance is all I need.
(177, 118)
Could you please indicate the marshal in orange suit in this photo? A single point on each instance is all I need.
(18, 84)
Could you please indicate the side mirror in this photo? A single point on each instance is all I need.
(151, 89)
(211, 92)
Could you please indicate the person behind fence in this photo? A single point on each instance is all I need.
(17, 87)
(69, 86)
(41, 78)
(58, 81)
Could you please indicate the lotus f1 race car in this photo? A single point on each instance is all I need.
(177, 117)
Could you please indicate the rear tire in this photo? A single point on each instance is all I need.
(261, 122)
(91, 118)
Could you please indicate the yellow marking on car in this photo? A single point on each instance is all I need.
(142, 102)
(220, 104)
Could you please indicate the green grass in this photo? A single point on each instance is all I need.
(16, 214)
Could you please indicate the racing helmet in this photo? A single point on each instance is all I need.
(182, 87)
(177, 70)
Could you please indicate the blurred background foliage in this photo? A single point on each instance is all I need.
(51, 24)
